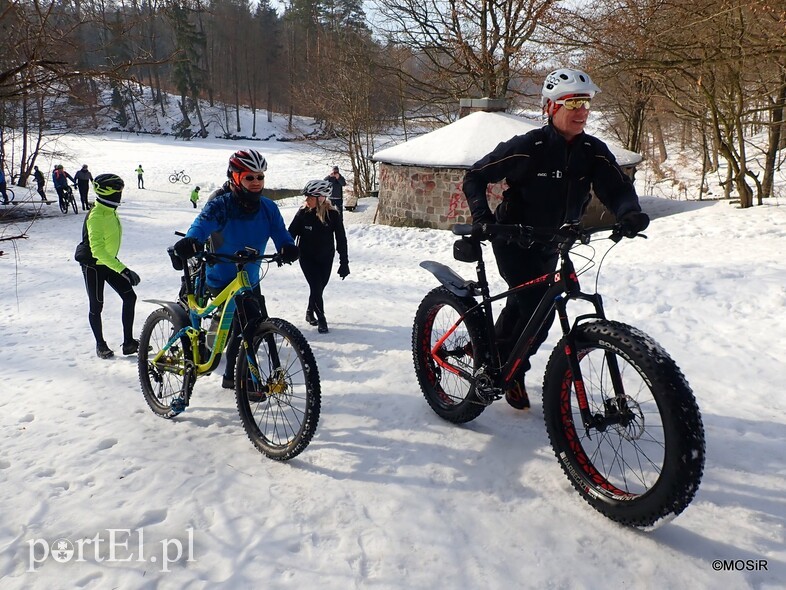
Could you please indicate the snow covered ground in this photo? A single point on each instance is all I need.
(387, 495)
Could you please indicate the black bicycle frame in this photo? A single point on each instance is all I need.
(563, 286)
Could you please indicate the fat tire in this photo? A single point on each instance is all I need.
(173, 178)
(451, 397)
(185, 178)
(652, 466)
(282, 425)
(63, 204)
(73, 204)
(161, 387)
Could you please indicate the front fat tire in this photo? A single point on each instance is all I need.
(452, 397)
(186, 179)
(281, 425)
(647, 470)
(159, 385)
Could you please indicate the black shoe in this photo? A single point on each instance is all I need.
(310, 318)
(131, 347)
(103, 351)
(228, 382)
(322, 326)
(517, 397)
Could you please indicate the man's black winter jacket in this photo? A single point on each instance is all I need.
(549, 179)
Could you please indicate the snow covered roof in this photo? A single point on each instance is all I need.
(464, 142)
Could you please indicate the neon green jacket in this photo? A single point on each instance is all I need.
(105, 233)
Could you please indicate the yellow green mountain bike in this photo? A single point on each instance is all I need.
(276, 377)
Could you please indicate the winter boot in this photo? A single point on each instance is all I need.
(131, 347)
(322, 326)
(103, 351)
(310, 318)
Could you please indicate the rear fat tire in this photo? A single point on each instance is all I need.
(283, 424)
(450, 396)
(161, 387)
(646, 471)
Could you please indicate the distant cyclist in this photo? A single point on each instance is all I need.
(60, 179)
(237, 218)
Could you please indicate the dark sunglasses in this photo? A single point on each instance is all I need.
(252, 178)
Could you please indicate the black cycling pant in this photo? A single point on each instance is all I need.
(95, 278)
(41, 192)
(317, 273)
(518, 265)
(83, 196)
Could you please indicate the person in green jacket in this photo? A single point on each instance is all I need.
(140, 182)
(101, 237)
(195, 197)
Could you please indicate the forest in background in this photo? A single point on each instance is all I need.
(708, 75)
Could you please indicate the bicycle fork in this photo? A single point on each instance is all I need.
(615, 406)
(250, 313)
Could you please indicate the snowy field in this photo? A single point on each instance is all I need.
(387, 495)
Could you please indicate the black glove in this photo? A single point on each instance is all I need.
(633, 223)
(478, 221)
(343, 270)
(187, 247)
(130, 276)
(289, 253)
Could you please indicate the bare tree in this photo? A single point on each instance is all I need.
(464, 48)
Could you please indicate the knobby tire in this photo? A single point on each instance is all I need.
(645, 469)
(281, 418)
(163, 383)
(448, 394)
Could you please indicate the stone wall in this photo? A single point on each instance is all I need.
(415, 196)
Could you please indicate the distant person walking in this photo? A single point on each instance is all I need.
(140, 181)
(38, 176)
(195, 197)
(337, 183)
(60, 179)
(83, 179)
(97, 253)
(319, 230)
(3, 184)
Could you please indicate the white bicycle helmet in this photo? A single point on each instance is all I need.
(565, 81)
(318, 188)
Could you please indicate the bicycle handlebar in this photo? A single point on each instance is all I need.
(566, 235)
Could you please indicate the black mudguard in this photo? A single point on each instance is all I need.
(450, 279)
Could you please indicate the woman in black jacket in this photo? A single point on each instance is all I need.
(319, 232)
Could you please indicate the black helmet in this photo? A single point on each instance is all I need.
(109, 189)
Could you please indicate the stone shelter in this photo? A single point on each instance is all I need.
(420, 180)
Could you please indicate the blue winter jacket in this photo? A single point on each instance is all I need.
(233, 229)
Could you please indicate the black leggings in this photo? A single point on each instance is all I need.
(518, 265)
(41, 192)
(95, 277)
(317, 273)
(83, 196)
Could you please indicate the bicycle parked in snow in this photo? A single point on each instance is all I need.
(620, 415)
(178, 176)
